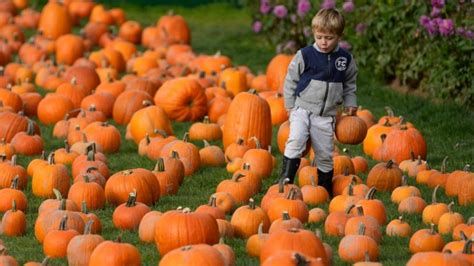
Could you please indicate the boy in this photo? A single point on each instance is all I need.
(320, 78)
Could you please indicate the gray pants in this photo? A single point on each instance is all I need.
(320, 129)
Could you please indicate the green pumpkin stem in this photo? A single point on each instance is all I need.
(160, 165)
(13, 160)
(467, 247)
(206, 143)
(30, 129)
(443, 165)
(258, 145)
(88, 227)
(213, 201)
(63, 223)
(57, 194)
(132, 198)
(186, 137)
(285, 216)
(175, 155)
(67, 147)
(360, 210)
(84, 207)
(361, 229)
(389, 164)
(206, 120)
(252, 203)
(433, 196)
(371, 193)
(389, 111)
(404, 180)
(313, 181)
(13, 209)
(467, 168)
(14, 184)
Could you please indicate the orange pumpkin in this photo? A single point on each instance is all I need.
(276, 71)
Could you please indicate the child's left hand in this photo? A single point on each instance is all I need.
(350, 110)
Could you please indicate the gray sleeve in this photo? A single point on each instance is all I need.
(295, 69)
(350, 87)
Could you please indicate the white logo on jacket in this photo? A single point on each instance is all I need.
(341, 63)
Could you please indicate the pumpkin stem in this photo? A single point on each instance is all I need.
(281, 184)
(63, 223)
(285, 216)
(258, 145)
(57, 194)
(432, 229)
(45, 261)
(13, 160)
(433, 196)
(318, 234)
(175, 155)
(132, 198)
(62, 205)
(313, 163)
(367, 256)
(361, 229)
(30, 130)
(91, 155)
(400, 218)
(13, 209)
(90, 169)
(346, 171)
(160, 165)
(252, 203)
(88, 227)
(371, 193)
(383, 137)
(463, 235)
(160, 132)
(350, 190)
(450, 207)
(389, 111)
(443, 165)
(260, 230)
(186, 137)
(404, 180)
(206, 120)
(212, 201)
(14, 184)
(470, 221)
(348, 210)
(221, 240)
(346, 150)
(313, 181)
(300, 259)
(467, 247)
(237, 176)
(146, 103)
(147, 139)
(84, 207)
(86, 179)
(360, 210)
(240, 141)
(67, 147)
(467, 168)
(206, 143)
(412, 156)
(291, 194)
(389, 164)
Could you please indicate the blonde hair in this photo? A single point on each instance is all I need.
(329, 21)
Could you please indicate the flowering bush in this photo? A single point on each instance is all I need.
(426, 45)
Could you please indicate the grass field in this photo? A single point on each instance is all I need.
(447, 128)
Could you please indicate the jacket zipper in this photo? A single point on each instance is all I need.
(327, 86)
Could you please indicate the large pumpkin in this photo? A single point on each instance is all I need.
(173, 29)
(180, 228)
(147, 120)
(276, 71)
(183, 99)
(248, 116)
(401, 143)
(54, 20)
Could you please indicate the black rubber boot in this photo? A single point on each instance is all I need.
(325, 180)
(289, 168)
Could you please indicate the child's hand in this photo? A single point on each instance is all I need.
(350, 110)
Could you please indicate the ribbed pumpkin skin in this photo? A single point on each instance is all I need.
(276, 71)
(183, 99)
(193, 255)
(114, 254)
(248, 116)
(177, 228)
(54, 20)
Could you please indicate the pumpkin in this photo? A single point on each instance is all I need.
(147, 120)
(276, 71)
(69, 48)
(54, 20)
(173, 29)
(80, 247)
(13, 222)
(115, 253)
(105, 135)
(85, 76)
(288, 257)
(127, 103)
(465, 195)
(412, 204)
(193, 255)
(212, 209)
(373, 140)
(350, 129)
(372, 227)
(439, 177)
(10, 171)
(7, 195)
(205, 130)
(256, 242)
(11, 99)
(295, 207)
(284, 223)
(211, 155)
(398, 227)
(373, 207)
(433, 212)
(178, 228)
(434, 257)
(127, 216)
(240, 190)
(89, 192)
(426, 240)
(168, 184)
(28, 143)
(385, 176)
(226, 251)
(298, 240)
(50, 176)
(246, 220)
(225, 201)
(401, 142)
(120, 184)
(183, 99)
(353, 248)
(53, 108)
(404, 191)
(235, 150)
(453, 181)
(130, 31)
(314, 194)
(188, 154)
(146, 228)
(225, 228)
(56, 241)
(259, 159)
(467, 228)
(449, 220)
(248, 116)
(11, 124)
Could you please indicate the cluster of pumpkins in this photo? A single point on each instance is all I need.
(78, 83)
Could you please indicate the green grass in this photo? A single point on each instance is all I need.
(447, 129)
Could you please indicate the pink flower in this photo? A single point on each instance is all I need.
(446, 27)
(469, 34)
(424, 20)
(460, 31)
(437, 3)
(435, 12)
(345, 45)
(257, 26)
(307, 31)
(265, 6)
(303, 7)
(328, 4)
(280, 11)
(293, 18)
(348, 6)
(360, 28)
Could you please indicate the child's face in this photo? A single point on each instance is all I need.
(326, 41)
